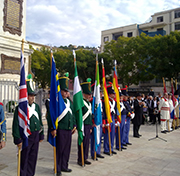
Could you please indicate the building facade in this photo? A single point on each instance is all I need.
(160, 23)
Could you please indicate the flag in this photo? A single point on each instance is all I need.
(116, 90)
(164, 85)
(78, 102)
(173, 100)
(23, 112)
(56, 104)
(172, 91)
(106, 98)
(96, 107)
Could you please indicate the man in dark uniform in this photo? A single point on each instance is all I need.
(150, 104)
(2, 127)
(122, 124)
(113, 109)
(87, 121)
(137, 121)
(66, 127)
(130, 114)
(30, 153)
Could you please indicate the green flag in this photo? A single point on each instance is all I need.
(78, 103)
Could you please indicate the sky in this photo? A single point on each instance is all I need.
(80, 22)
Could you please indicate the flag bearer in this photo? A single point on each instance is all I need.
(98, 152)
(130, 114)
(113, 109)
(66, 127)
(122, 124)
(87, 121)
(29, 154)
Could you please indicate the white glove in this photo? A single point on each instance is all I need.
(132, 116)
(117, 124)
(107, 124)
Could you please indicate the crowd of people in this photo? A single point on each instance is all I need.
(163, 110)
(137, 110)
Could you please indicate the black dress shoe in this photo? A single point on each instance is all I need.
(123, 148)
(129, 143)
(107, 153)
(79, 163)
(136, 136)
(66, 170)
(140, 135)
(118, 149)
(163, 132)
(92, 157)
(124, 145)
(59, 174)
(99, 156)
(87, 162)
(114, 152)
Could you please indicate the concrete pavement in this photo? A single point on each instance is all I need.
(143, 158)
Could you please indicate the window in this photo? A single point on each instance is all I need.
(159, 19)
(159, 29)
(129, 34)
(177, 14)
(117, 35)
(106, 39)
(177, 26)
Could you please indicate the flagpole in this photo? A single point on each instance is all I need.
(177, 123)
(119, 134)
(19, 147)
(54, 147)
(95, 156)
(172, 91)
(55, 164)
(108, 128)
(82, 151)
(82, 154)
(175, 84)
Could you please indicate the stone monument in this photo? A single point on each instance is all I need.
(12, 32)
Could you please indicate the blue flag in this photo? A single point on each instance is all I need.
(57, 104)
(96, 108)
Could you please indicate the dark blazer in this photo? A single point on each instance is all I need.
(150, 106)
(138, 110)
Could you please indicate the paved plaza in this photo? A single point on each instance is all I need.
(143, 158)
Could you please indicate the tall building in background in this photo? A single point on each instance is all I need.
(160, 23)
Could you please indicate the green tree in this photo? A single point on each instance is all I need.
(41, 67)
(165, 55)
(132, 58)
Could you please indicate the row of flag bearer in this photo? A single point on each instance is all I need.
(103, 111)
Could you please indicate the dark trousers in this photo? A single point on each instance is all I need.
(63, 147)
(106, 137)
(122, 129)
(126, 131)
(136, 130)
(93, 142)
(29, 155)
(151, 117)
(86, 139)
